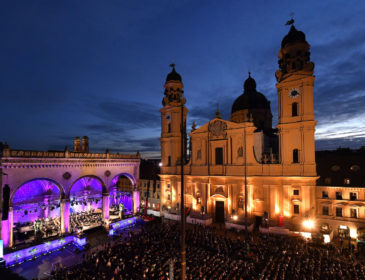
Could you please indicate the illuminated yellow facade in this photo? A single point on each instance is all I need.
(278, 165)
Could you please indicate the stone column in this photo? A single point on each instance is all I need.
(65, 215)
(106, 209)
(10, 218)
(136, 201)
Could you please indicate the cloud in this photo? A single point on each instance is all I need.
(128, 113)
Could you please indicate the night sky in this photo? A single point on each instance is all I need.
(97, 68)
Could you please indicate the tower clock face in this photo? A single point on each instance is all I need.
(294, 93)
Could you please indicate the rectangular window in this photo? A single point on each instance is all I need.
(325, 210)
(295, 192)
(296, 209)
(353, 213)
(218, 156)
(338, 212)
(295, 156)
(353, 196)
(324, 194)
(339, 195)
(294, 109)
(169, 161)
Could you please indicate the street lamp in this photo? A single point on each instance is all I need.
(308, 224)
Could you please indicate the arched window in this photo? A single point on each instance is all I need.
(169, 161)
(295, 156)
(294, 109)
(169, 127)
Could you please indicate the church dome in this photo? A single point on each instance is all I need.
(252, 105)
(293, 36)
(173, 75)
(250, 99)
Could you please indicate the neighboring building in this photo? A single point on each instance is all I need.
(277, 164)
(149, 184)
(341, 190)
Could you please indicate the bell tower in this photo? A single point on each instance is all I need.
(173, 122)
(296, 124)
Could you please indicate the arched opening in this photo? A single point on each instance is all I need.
(36, 210)
(86, 203)
(121, 196)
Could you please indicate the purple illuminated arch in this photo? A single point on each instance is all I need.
(87, 184)
(118, 196)
(86, 194)
(37, 198)
(114, 181)
(33, 189)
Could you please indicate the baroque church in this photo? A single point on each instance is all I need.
(276, 165)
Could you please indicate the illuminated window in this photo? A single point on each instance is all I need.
(325, 210)
(347, 181)
(295, 156)
(338, 212)
(296, 209)
(294, 109)
(353, 196)
(335, 168)
(353, 213)
(324, 194)
(355, 168)
(295, 192)
(339, 195)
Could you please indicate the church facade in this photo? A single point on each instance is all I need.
(276, 165)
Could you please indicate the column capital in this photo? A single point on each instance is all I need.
(65, 199)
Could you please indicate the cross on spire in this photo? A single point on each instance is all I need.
(291, 21)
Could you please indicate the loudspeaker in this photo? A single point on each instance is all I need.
(6, 197)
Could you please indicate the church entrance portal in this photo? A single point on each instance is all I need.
(219, 211)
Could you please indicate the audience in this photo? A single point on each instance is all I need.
(152, 252)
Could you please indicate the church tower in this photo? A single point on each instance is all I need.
(173, 123)
(296, 122)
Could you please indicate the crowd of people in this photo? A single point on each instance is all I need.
(153, 252)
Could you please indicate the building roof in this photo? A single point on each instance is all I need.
(342, 167)
(251, 98)
(293, 36)
(173, 75)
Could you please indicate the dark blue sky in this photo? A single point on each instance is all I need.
(97, 68)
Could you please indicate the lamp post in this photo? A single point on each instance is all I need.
(244, 143)
(182, 223)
